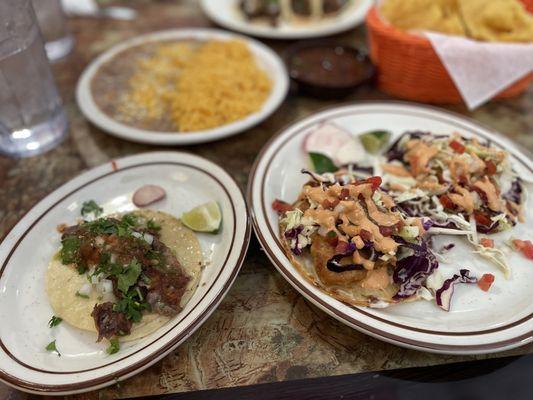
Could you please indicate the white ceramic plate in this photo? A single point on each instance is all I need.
(266, 59)
(226, 13)
(24, 254)
(479, 322)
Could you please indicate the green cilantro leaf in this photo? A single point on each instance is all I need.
(52, 347)
(130, 219)
(129, 276)
(90, 207)
(69, 249)
(322, 163)
(103, 226)
(131, 305)
(114, 346)
(151, 224)
(54, 321)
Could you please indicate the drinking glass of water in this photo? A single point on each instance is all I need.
(32, 119)
(58, 41)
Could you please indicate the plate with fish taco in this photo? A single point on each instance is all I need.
(115, 269)
(405, 222)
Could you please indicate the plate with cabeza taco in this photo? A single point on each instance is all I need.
(407, 223)
(115, 269)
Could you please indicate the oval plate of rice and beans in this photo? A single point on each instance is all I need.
(181, 87)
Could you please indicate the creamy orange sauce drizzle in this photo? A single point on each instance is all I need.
(394, 169)
(419, 154)
(487, 187)
(353, 216)
(463, 199)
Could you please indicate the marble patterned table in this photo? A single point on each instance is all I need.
(263, 331)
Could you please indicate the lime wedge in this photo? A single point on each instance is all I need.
(374, 141)
(204, 218)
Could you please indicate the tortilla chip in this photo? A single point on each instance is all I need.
(62, 282)
(497, 20)
(428, 15)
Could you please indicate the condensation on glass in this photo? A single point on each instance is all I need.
(32, 119)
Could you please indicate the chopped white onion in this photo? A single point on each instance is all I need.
(105, 286)
(148, 238)
(85, 289)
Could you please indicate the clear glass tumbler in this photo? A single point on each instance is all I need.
(32, 119)
(58, 41)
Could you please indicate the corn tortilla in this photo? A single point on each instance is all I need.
(62, 281)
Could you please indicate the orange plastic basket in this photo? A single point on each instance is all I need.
(408, 67)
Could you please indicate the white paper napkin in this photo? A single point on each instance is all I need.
(481, 70)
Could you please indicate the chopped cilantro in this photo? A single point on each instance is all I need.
(90, 207)
(103, 226)
(131, 305)
(114, 346)
(129, 276)
(83, 296)
(129, 219)
(69, 249)
(52, 347)
(81, 268)
(54, 321)
(151, 224)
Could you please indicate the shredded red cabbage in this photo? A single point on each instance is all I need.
(334, 265)
(293, 234)
(443, 296)
(412, 271)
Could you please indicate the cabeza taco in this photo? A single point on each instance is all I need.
(348, 237)
(124, 276)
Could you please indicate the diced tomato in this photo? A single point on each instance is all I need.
(525, 246)
(482, 219)
(486, 242)
(332, 238)
(345, 194)
(365, 235)
(462, 180)
(491, 167)
(399, 225)
(342, 247)
(281, 207)
(330, 204)
(386, 230)
(375, 181)
(485, 282)
(457, 147)
(446, 202)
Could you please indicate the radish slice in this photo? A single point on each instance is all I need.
(147, 195)
(326, 139)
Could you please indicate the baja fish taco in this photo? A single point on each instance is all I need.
(124, 276)
(347, 237)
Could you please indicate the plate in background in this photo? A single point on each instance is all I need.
(227, 14)
(266, 58)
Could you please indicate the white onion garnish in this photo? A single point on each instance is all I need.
(105, 286)
(148, 238)
(85, 289)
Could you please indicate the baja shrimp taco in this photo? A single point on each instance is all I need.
(347, 237)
